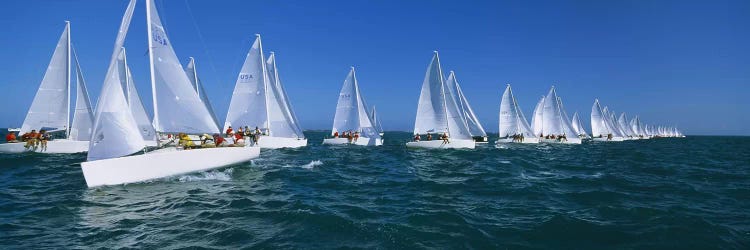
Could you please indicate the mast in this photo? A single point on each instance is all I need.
(67, 56)
(442, 90)
(151, 66)
(265, 83)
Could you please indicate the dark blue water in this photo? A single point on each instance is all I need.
(663, 193)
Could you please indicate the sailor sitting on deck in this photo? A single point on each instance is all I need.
(238, 140)
(30, 138)
(416, 137)
(429, 137)
(336, 134)
(43, 138)
(230, 131)
(356, 136)
(219, 140)
(11, 137)
(444, 137)
(256, 135)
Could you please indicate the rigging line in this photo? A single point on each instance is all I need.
(202, 40)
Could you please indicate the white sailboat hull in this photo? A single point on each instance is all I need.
(58, 146)
(525, 141)
(568, 141)
(439, 144)
(271, 142)
(604, 139)
(162, 163)
(362, 141)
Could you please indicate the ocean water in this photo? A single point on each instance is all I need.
(686, 193)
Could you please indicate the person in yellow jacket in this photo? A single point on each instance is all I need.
(185, 141)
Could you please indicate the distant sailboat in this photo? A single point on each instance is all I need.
(352, 117)
(601, 130)
(376, 121)
(177, 108)
(50, 109)
(438, 113)
(475, 128)
(259, 101)
(513, 127)
(578, 126)
(554, 122)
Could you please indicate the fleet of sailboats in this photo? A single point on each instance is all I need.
(125, 144)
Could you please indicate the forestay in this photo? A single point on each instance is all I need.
(50, 108)
(83, 116)
(177, 107)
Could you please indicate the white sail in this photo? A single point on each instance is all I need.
(475, 128)
(192, 73)
(177, 107)
(135, 104)
(537, 121)
(351, 110)
(83, 116)
(283, 121)
(431, 112)
(512, 121)
(612, 123)
(598, 125)
(248, 104)
(551, 118)
(566, 126)
(578, 125)
(623, 122)
(50, 108)
(376, 120)
(115, 131)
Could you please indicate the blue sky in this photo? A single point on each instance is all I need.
(682, 63)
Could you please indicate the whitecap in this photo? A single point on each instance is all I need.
(310, 165)
(225, 175)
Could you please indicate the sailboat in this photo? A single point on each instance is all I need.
(554, 121)
(601, 128)
(578, 126)
(50, 109)
(352, 116)
(438, 113)
(260, 101)
(376, 121)
(116, 137)
(623, 123)
(513, 122)
(475, 128)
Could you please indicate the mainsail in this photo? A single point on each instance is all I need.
(598, 124)
(351, 111)
(83, 116)
(248, 104)
(475, 128)
(177, 107)
(50, 109)
(512, 121)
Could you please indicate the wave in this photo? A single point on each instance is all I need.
(225, 175)
(310, 165)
